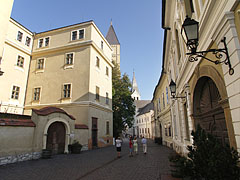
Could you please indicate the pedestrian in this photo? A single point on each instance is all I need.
(130, 147)
(144, 143)
(119, 146)
(135, 145)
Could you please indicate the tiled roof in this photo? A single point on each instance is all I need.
(112, 37)
(81, 126)
(49, 110)
(145, 109)
(15, 120)
(141, 103)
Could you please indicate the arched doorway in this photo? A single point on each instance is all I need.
(207, 110)
(56, 138)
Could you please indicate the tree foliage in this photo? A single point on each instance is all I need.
(123, 104)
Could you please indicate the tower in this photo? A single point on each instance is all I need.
(135, 92)
(113, 41)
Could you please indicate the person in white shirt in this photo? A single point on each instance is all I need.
(118, 146)
(144, 143)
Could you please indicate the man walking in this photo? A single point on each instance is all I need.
(144, 143)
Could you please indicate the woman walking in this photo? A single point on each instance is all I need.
(135, 145)
(130, 147)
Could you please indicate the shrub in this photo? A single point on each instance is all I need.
(208, 158)
(76, 147)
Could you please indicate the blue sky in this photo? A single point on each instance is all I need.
(137, 24)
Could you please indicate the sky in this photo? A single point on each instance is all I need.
(137, 24)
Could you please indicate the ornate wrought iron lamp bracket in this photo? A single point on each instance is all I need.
(221, 55)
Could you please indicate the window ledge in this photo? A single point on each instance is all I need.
(68, 66)
(66, 100)
(39, 71)
(19, 68)
(35, 102)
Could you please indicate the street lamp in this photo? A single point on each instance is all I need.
(190, 34)
(172, 86)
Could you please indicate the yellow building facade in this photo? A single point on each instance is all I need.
(211, 94)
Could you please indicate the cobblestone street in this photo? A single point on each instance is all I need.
(100, 164)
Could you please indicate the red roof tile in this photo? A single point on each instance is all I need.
(49, 110)
(16, 122)
(81, 126)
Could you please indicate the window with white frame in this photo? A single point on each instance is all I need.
(47, 41)
(36, 94)
(15, 92)
(107, 98)
(69, 59)
(163, 100)
(167, 94)
(107, 71)
(66, 90)
(20, 61)
(28, 41)
(101, 44)
(19, 36)
(98, 62)
(40, 63)
(159, 104)
(78, 34)
(97, 93)
(43, 42)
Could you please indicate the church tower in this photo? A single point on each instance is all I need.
(135, 92)
(113, 41)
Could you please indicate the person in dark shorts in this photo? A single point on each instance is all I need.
(119, 146)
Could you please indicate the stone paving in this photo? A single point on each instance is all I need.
(99, 164)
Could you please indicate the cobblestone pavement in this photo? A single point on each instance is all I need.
(98, 164)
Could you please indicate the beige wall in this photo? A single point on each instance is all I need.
(13, 143)
(5, 12)
(13, 74)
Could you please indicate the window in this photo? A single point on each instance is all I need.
(20, 61)
(107, 71)
(97, 62)
(66, 90)
(178, 45)
(15, 92)
(107, 127)
(107, 98)
(148, 131)
(74, 35)
(36, 94)
(28, 41)
(159, 104)
(167, 94)
(189, 7)
(47, 41)
(169, 130)
(40, 43)
(163, 100)
(19, 36)
(69, 58)
(40, 63)
(97, 93)
(79, 34)
(101, 44)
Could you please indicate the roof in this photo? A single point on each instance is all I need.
(81, 126)
(7, 119)
(49, 110)
(134, 84)
(147, 108)
(141, 103)
(111, 36)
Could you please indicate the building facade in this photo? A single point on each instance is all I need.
(211, 94)
(71, 69)
(15, 65)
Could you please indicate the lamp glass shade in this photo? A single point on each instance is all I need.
(190, 27)
(172, 86)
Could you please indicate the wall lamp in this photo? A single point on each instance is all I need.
(1, 72)
(172, 86)
(190, 35)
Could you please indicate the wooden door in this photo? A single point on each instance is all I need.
(94, 133)
(56, 138)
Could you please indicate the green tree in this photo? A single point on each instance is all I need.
(123, 104)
